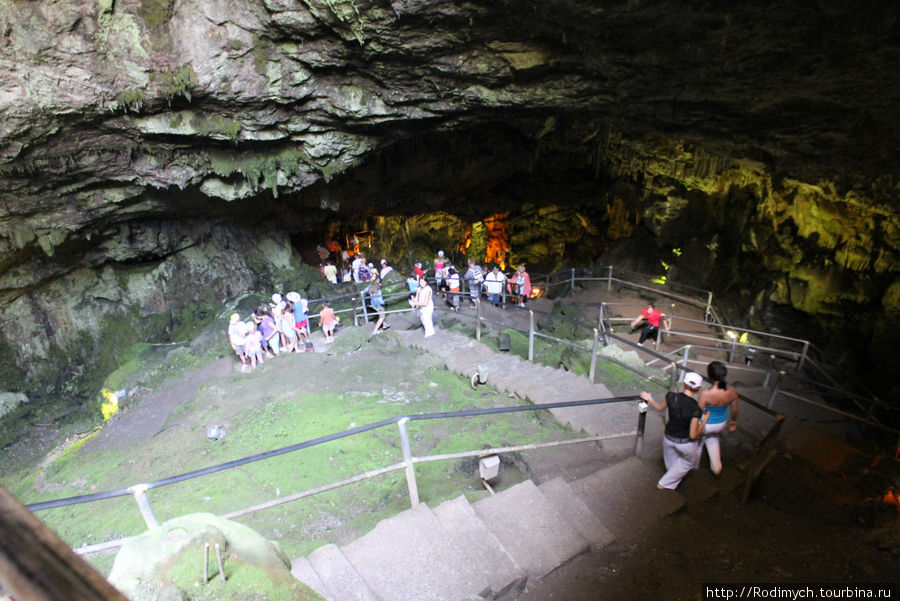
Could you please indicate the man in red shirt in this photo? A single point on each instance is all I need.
(652, 317)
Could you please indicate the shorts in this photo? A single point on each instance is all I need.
(301, 324)
(239, 349)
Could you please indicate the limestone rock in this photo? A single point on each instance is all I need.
(10, 400)
(167, 563)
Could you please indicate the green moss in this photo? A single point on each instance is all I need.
(10, 374)
(243, 581)
(156, 13)
(260, 53)
(177, 83)
(260, 170)
(131, 100)
(131, 362)
(272, 422)
(215, 126)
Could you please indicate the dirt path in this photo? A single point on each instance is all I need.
(152, 408)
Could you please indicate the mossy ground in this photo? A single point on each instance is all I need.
(359, 380)
(287, 400)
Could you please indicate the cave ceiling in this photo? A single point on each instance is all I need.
(125, 114)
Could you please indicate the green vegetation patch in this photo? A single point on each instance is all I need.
(260, 169)
(285, 401)
(175, 83)
(156, 13)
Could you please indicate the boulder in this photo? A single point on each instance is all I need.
(167, 563)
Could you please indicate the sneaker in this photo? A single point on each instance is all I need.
(640, 344)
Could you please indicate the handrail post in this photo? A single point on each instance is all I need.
(803, 356)
(609, 279)
(478, 319)
(671, 317)
(593, 370)
(731, 352)
(769, 370)
(673, 380)
(530, 335)
(686, 358)
(407, 458)
(353, 304)
(775, 389)
(362, 300)
(139, 492)
(601, 326)
(708, 303)
(642, 423)
(572, 282)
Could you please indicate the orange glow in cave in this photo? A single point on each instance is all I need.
(467, 241)
(892, 499)
(497, 240)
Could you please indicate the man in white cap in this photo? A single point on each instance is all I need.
(686, 422)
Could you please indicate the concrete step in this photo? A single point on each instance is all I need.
(412, 556)
(625, 498)
(339, 576)
(530, 528)
(302, 570)
(485, 551)
(576, 511)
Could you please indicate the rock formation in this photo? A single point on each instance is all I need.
(159, 156)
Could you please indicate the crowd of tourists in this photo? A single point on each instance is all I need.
(283, 326)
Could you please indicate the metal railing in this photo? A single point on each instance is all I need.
(139, 491)
(794, 352)
(789, 351)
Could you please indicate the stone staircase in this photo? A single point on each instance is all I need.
(534, 382)
(491, 548)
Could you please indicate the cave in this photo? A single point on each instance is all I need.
(752, 148)
(161, 158)
(146, 176)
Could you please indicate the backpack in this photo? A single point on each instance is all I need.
(364, 274)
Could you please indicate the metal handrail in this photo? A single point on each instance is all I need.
(139, 490)
(796, 357)
(800, 358)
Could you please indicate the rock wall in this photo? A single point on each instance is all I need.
(66, 335)
(155, 154)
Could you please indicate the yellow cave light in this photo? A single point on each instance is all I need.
(676, 252)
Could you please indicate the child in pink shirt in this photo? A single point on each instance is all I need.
(328, 320)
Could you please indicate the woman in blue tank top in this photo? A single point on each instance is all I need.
(721, 402)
